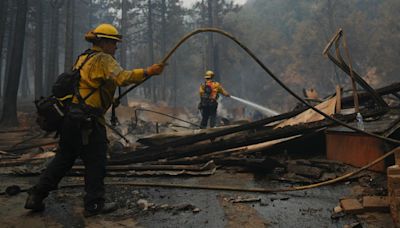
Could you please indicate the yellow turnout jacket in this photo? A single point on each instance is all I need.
(216, 88)
(103, 69)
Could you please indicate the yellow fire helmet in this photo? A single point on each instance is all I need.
(107, 31)
(209, 74)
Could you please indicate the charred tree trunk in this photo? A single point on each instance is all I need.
(10, 43)
(53, 45)
(69, 35)
(3, 20)
(9, 117)
(24, 88)
(39, 51)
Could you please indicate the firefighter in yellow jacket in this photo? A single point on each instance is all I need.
(86, 138)
(209, 93)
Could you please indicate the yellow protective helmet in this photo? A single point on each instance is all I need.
(209, 74)
(107, 31)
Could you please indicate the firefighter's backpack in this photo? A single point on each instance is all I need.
(50, 113)
(207, 90)
(206, 99)
(51, 110)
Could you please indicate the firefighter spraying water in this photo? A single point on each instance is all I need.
(209, 93)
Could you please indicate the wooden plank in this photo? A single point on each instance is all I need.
(16, 130)
(393, 170)
(351, 206)
(376, 203)
(30, 146)
(327, 107)
(339, 99)
(208, 165)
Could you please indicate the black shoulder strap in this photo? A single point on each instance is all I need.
(81, 99)
(89, 53)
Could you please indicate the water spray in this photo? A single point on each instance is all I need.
(265, 110)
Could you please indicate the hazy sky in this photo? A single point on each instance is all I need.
(188, 3)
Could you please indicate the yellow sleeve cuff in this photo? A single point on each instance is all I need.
(139, 72)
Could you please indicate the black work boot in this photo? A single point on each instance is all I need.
(34, 202)
(97, 208)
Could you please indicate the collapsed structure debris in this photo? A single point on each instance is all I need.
(226, 146)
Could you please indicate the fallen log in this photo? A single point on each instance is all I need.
(45, 143)
(27, 159)
(11, 130)
(19, 162)
(208, 165)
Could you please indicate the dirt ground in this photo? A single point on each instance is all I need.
(172, 207)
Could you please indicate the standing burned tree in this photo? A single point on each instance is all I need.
(9, 117)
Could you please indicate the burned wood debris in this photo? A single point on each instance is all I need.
(260, 146)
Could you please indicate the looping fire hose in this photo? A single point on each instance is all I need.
(251, 54)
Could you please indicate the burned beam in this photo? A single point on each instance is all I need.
(150, 167)
(364, 96)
